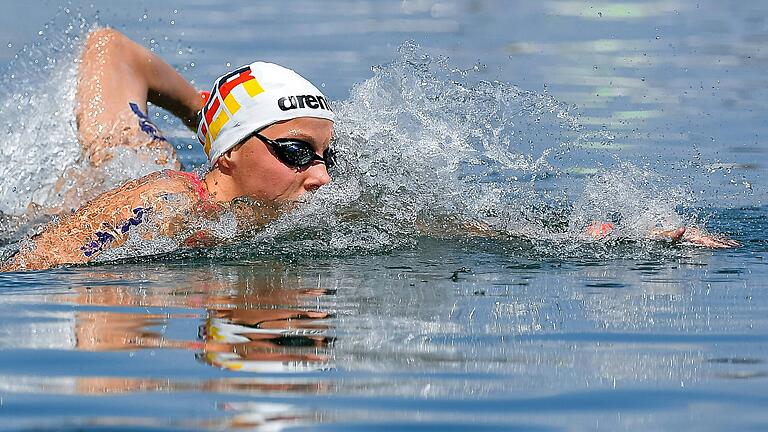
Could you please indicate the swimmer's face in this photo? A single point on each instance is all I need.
(257, 172)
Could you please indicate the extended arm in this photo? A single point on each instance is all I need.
(691, 235)
(102, 224)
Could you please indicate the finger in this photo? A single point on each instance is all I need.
(724, 243)
(721, 243)
(716, 243)
(731, 243)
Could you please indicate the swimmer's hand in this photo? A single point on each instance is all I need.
(694, 236)
(689, 235)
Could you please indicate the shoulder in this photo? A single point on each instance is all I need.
(154, 185)
(149, 194)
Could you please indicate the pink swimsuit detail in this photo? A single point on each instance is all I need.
(200, 238)
(198, 183)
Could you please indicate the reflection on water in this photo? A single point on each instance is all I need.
(250, 324)
(248, 321)
(258, 340)
(474, 336)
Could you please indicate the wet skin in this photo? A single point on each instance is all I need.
(172, 203)
(690, 235)
(115, 73)
(252, 169)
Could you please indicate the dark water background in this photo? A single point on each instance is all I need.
(445, 334)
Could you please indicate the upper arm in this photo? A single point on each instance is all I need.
(106, 84)
(116, 71)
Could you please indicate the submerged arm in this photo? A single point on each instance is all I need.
(597, 230)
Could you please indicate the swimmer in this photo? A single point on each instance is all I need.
(265, 129)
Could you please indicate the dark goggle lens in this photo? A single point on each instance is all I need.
(295, 153)
(300, 154)
(329, 157)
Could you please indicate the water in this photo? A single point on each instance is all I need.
(402, 295)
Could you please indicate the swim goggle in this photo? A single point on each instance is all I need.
(297, 153)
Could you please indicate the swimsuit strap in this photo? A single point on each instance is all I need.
(206, 204)
(197, 183)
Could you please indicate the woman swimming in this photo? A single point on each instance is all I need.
(261, 118)
(265, 129)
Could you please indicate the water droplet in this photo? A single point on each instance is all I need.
(229, 64)
(600, 14)
(10, 45)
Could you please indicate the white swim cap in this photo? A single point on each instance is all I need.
(251, 98)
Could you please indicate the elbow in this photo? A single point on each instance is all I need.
(103, 40)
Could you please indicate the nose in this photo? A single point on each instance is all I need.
(317, 176)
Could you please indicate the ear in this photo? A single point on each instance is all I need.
(226, 162)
